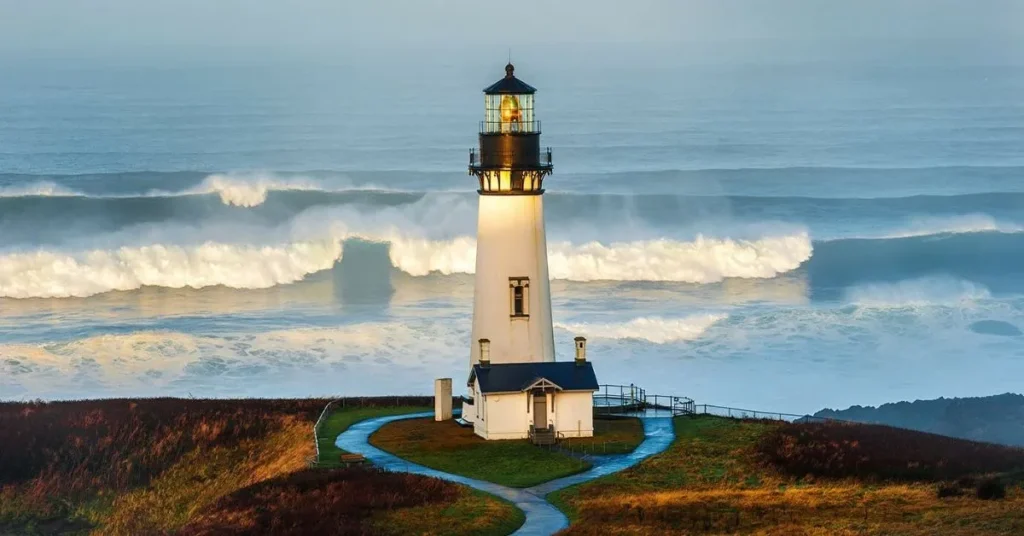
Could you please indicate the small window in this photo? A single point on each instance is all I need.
(519, 297)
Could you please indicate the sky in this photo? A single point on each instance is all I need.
(118, 27)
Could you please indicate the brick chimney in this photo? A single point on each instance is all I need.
(581, 350)
(485, 353)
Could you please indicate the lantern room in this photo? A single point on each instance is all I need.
(508, 105)
(510, 160)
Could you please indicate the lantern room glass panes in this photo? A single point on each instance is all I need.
(509, 113)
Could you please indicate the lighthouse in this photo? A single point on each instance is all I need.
(516, 388)
(512, 297)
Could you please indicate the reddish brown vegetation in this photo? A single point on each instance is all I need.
(332, 502)
(881, 452)
(123, 443)
(55, 455)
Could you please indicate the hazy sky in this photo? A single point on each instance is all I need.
(362, 26)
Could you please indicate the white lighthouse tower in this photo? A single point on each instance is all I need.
(516, 388)
(512, 297)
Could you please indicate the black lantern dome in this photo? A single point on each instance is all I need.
(510, 160)
(510, 84)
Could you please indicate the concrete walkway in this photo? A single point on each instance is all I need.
(542, 517)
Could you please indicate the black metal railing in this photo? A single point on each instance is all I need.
(543, 158)
(511, 127)
(612, 398)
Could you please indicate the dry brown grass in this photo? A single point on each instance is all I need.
(712, 481)
(123, 467)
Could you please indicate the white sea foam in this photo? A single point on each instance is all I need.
(704, 260)
(958, 224)
(42, 189)
(653, 329)
(56, 274)
(250, 190)
(278, 363)
(921, 292)
(167, 262)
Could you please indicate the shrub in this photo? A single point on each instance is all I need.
(948, 490)
(881, 452)
(991, 489)
(333, 502)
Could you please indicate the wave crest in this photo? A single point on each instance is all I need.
(920, 292)
(250, 190)
(653, 329)
(704, 260)
(49, 274)
(38, 189)
(959, 224)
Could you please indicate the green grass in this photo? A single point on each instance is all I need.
(712, 480)
(339, 419)
(611, 436)
(703, 453)
(448, 447)
(475, 513)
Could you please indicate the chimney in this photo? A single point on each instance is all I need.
(485, 353)
(581, 350)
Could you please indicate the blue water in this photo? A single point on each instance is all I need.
(782, 236)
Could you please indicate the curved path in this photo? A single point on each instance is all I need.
(541, 516)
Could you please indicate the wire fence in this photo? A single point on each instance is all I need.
(739, 413)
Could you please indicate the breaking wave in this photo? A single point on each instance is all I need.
(38, 189)
(56, 274)
(249, 190)
(653, 329)
(957, 224)
(50, 274)
(920, 292)
(704, 260)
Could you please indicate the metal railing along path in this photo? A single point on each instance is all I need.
(316, 428)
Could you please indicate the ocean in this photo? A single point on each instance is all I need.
(778, 236)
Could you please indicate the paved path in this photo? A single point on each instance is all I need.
(542, 518)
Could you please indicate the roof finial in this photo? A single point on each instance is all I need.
(509, 68)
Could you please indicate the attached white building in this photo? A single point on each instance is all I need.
(543, 401)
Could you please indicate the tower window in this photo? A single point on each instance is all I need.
(519, 297)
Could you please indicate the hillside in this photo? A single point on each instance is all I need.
(728, 476)
(995, 419)
(173, 466)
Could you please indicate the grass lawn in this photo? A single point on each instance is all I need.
(340, 418)
(712, 480)
(474, 513)
(446, 446)
(611, 436)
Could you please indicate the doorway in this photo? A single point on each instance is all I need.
(540, 411)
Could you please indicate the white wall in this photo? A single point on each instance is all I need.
(574, 414)
(503, 417)
(469, 411)
(511, 243)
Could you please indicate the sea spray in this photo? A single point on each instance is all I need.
(657, 330)
(251, 190)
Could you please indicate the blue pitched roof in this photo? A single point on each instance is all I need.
(512, 377)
